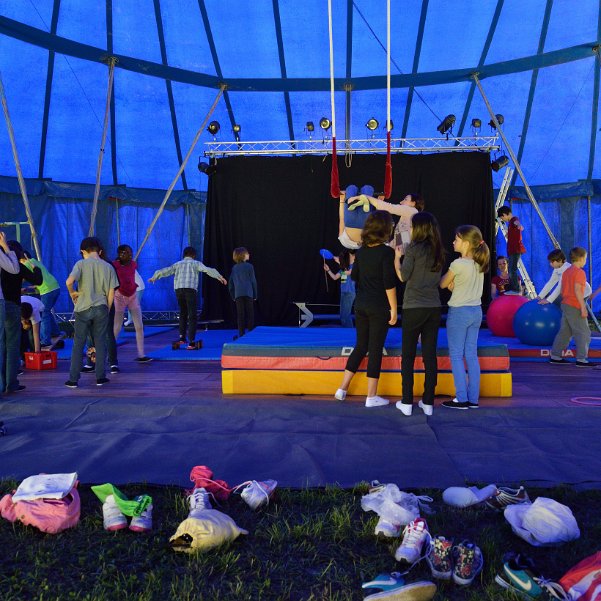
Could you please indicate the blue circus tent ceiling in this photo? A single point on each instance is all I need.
(536, 60)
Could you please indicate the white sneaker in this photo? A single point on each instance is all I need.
(256, 494)
(404, 408)
(387, 529)
(427, 409)
(142, 522)
(415, 536)
(112, 517)
(376, 401)
(199, 500)
(340, 395)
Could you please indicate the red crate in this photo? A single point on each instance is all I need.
(43, 360)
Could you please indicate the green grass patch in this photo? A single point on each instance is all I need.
(310, 544)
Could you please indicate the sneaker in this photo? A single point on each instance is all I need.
(439, 558)
(586, 364)
(404, 408)
(20, 372)
(191, 347)
(387, 529)
(340, 394)
(468, 561)
(257, 494)
(112, 517)
(115, 369)
(427, 409)
(392, 586)
(415, 537)
(507, 496)
(142, 522)
(519, 577)
(144, 359)
(455, 404)
(376, 401)
(102, 381)
(71, 384)
(473, 405)
(17, 389)
(558, 361)
(199, 500)
(87, 369)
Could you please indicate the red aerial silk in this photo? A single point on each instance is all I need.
(334, 181)
(388, 173)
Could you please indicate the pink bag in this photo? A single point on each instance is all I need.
(48, 515)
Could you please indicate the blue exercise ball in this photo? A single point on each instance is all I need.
(537, 324)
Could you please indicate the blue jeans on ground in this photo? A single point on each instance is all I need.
(346, 309)
(12, 336)
(92, 321)
(48, 327)
(463, 325)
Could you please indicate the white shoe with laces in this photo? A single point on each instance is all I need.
(376, 401)
(257, 494)
(112, 517)
(199, 500)
(142, 522)
(415, 536)
(340, 394)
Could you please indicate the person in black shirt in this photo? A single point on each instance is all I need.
(375, 303)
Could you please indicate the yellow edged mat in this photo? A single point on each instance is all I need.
(257, 381)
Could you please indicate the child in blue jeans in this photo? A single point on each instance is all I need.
(465, 279)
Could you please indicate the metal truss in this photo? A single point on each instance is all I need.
(365, 146)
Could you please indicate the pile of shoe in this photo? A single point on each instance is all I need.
(493, 496)
(116, 508)
(461, 562)
(257, 494)
(392, 586)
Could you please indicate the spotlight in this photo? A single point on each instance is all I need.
(499, 163)
(447, 124)
(500, 119)
(476, 123)
(237, 129)
(214, 128)
(206, 168)
(325, 123)
(372, 124)
(310, 126)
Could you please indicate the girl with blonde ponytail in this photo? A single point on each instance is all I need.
(465, 279)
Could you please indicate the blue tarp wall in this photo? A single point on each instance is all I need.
(573, 213)
(61, 214)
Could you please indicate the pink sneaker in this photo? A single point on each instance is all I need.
(415, 537)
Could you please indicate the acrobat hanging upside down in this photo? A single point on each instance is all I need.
(354, 208)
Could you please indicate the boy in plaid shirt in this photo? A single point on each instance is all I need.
(185, 283)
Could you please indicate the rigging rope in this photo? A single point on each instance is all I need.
(334, 180)
(388, 168)
(222, 88)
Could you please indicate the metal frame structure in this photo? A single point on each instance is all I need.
(323, 146)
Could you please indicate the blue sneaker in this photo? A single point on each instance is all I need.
(393, 587)
(368, 190)
(519, 577)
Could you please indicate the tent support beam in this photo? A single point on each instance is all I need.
(515, 162)
(179, 171)
(111, 61)
(22, 186)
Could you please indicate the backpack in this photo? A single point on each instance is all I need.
(583, 581)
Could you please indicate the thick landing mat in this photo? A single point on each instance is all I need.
(297, 443)
(212, 343)
(325, 383)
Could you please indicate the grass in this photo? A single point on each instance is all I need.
(310, 545)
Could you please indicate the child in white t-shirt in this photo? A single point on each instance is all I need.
(551, 291)
(31, 317)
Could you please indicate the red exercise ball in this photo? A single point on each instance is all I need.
(499, 316)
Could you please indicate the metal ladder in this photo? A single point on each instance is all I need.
(503, 190)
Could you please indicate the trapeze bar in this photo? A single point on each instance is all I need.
(365, 146)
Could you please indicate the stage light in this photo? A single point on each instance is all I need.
(499, 163)
(372, 124)
(500, 119)
(476, 123)
(325, 123)
(214, 128)
(206, 168)
(237, 129)
(310, 126)
(447, 124)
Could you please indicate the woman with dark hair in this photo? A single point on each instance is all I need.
(421, 270)
(375, 304)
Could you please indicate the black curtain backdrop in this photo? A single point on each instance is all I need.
(280, 209)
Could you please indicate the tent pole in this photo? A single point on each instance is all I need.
(222, 88)
(111, 61)
(22, 186)
(515, 162)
